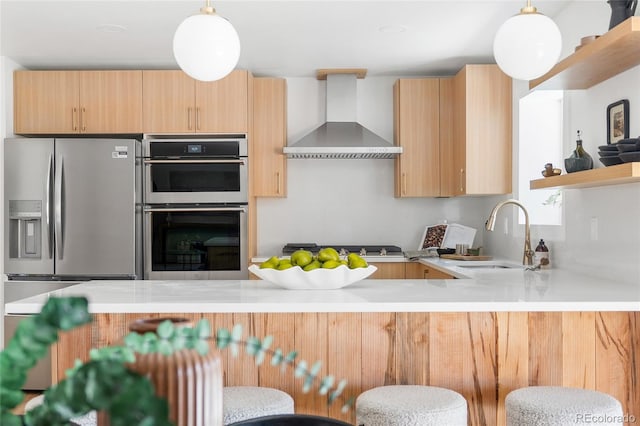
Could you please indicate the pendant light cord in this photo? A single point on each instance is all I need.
(208, 9)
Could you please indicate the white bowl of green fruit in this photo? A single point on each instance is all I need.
(304, 271)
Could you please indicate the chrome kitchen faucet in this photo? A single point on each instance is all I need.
(527, 257)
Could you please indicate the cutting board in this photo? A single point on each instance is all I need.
(461, 257)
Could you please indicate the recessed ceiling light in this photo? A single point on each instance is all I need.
(392, 29)
(111, 28)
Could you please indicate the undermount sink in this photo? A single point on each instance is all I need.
(487, 266)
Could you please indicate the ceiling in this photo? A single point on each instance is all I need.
(278, 38)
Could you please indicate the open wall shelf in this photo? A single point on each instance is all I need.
(614, 52)
(612, 175)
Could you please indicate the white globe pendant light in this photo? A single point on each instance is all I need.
(206, 46)
(527, 45)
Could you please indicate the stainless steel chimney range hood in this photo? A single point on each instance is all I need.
(342, 136)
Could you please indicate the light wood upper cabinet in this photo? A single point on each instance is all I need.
(482, 131)
(173, 102)
(268, 163)
(416, 130)
(66, 102)
(168, 102)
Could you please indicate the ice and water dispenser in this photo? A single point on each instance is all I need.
(25, 229)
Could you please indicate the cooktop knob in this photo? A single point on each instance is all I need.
(363, 252)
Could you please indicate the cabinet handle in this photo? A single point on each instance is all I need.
(189, 118)
(83, 119)
(74, 113)
(197, 118)
(278, 183)
(404, 184)
(425, 274)
(461, 180)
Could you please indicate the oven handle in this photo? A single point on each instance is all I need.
(195, 209)
(241, 161)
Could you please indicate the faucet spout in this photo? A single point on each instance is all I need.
(527, 257)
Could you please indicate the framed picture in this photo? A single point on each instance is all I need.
(617, 121)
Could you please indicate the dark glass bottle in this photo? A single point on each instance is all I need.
(541, 256)
(579, 152)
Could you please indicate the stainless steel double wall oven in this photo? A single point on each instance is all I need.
(195, 207)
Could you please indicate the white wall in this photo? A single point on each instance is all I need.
(350, 201)
(600, 234)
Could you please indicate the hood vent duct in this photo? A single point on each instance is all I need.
(342, 137)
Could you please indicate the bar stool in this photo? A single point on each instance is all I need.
(248, 402)
(89, 419)
(561, 406)
(410, 405)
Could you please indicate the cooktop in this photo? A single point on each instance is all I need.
(344, 249)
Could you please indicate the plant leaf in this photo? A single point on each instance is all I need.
(301, 369)
(253, 345)
(347, 406)
(223, 337)
(325, 384)
(165, 329)
(338, 391)
(203, 329)
(236, 337)
(277, 358)
(202, 347)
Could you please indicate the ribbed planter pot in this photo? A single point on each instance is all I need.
(190, 382)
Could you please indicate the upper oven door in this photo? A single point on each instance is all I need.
(195, 171)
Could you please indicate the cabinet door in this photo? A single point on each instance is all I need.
(482, 130)
(168, 102)
(268, 164)
(46, 102)
(389, 271)
(416, 121)
(489, 133)
(110, 102)
(222, 106)
(418, 271)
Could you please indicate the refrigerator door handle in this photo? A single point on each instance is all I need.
(59, 231)
(49, 206)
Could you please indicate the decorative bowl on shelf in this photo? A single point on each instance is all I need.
(578, 164)
(318, 279)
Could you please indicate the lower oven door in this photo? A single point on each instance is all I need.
(195, 243)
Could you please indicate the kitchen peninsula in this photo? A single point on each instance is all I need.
(482, 336)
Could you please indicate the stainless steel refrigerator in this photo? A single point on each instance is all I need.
(72, 209)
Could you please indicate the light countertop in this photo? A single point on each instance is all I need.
(485, 291)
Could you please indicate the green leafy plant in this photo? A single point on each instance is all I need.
(104, 382)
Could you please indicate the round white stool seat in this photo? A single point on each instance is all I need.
(561, 406)
(89, 419)
(410, 405)
(248, 402)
